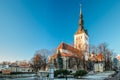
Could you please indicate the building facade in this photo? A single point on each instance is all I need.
(96, 62)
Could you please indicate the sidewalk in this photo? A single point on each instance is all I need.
(99, 75)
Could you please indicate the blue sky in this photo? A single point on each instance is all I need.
(30, 25)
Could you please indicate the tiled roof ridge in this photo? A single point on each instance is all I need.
(63, 45)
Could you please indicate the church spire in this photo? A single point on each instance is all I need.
(80, 8)
(81, 22)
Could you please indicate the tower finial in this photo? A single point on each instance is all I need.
(81, 22)
(80, 8)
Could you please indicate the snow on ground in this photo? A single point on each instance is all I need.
(99, 76)
(93, 76)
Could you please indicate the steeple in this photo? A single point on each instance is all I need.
(81, 22)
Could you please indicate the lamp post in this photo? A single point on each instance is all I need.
(66, 67)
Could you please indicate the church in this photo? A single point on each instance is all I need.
(68, 56)
(73, 57)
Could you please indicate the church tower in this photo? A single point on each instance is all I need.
(81, 38)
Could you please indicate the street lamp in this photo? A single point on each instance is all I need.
(66, 67)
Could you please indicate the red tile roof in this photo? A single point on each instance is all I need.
(69, 48)
(74, 52)
(63, 55)
(98, 57)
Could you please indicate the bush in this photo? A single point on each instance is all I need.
(62, 72)
(80, 73)
(15, 73)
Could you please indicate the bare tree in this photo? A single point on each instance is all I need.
(45, 53)
(108, 53)
(93, 48)
(37, 62)
(53, 51)
(103, 48)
